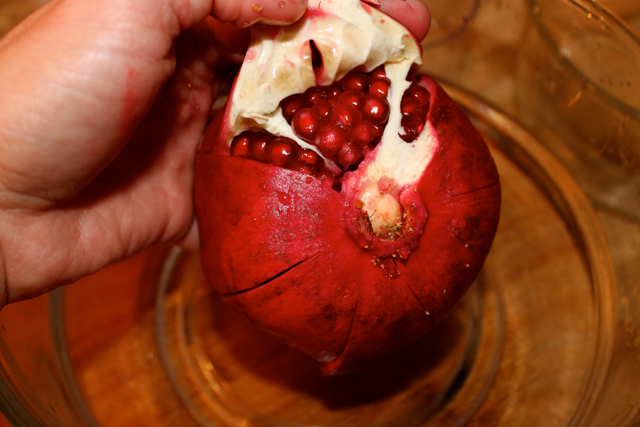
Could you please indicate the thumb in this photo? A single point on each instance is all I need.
(243, 13)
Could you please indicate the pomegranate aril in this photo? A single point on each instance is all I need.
(410, 107)
(363, 134)
(376, 110)
(378, 131)
(324, 108)
(334, 91)
(258, 147)
(412, 126)
(380, 87)
(414, 108)
(313, 95)
(326, 178)
(304, 168)
(281, 152)
(350, 154)
(420, 93)
(240, 144)
(290, 105)
(355, 80)
(410, 134)
(306, 123)
(310, 157)
(368, 149)
(378, 73)
(330, 141)
(345, 117)
(353, 97)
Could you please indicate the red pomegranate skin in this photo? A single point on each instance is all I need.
(276, 245)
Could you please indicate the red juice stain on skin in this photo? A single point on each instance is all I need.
(315, 13)
(130, 99)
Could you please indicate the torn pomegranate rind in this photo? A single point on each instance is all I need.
(348, 256)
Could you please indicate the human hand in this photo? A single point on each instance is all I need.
(102, 105)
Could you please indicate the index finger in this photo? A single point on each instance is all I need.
(243, 13)
(413, 14)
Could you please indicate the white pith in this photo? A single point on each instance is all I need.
(347, 37)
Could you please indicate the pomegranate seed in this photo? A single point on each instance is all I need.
(290, 105)
(326, 178)
(420, 93)
(258, 146)
(313, 95)
(363, 134)
(376, 110)
(410, 107)
(310, 157)
(304, 168)
(240, 144)
(378, 130)
(412, 126)
(414, 107)
(334, 91)
(410, 134)
(355, 80)
(380, 87)
(368, 149)
(378, 73)
(306, 124)
(352, 97)
(345, 117)
(324, 108)
(330, 141)
(281, 152)
(350, 154)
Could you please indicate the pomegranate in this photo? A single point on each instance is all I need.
(344, 203)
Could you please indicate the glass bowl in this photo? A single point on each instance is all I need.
(548, 335)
